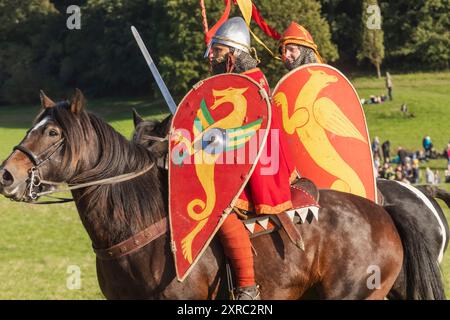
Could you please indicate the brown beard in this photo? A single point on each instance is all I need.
(223, 64)
(306, 56)
(229, 63)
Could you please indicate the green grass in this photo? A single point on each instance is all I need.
(427, 96)
(39, 243)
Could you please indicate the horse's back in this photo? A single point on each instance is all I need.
(352, 238)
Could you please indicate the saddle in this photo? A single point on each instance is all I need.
(304, 197)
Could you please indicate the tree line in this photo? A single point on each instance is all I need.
(38, 50)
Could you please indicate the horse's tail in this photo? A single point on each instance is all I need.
(422, 272)
(435, 192)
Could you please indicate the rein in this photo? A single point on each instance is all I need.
(36, 181)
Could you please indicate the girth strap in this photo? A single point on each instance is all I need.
(292, 232)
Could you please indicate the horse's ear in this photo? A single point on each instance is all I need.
(78, 102)
(46, 102)
(136, 118)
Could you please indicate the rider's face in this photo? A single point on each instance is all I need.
(219, 52)
(292, 52)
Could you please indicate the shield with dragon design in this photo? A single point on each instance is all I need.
(326, 129)
(216, 138)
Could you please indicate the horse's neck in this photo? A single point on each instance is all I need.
(112, 220)
(113, 213)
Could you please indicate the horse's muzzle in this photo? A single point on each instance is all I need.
(6, 178)
(9, 186)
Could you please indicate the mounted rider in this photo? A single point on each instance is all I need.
(230, 52)
(297, 47)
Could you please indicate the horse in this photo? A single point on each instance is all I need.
(414, 208)
(353, 252)
(410, 207)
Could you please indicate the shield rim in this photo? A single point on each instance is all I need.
(354, 91)
(228, 209)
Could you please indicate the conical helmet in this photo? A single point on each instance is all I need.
(297, 34)
(233, 33)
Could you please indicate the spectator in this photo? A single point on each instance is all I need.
(404, 108)
(376, 163)
(386, 147)
(448, 156)
(427, 146)
(415, 176)
(402, 154)
(437, 177)
(408, 172)
(400, 174)
(429, 176)
(389, 85)
(387, 172)
(421, 156)
(376, 147)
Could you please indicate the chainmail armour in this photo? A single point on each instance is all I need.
(306, 56)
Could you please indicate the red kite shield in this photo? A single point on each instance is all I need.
(216, 137)
(326, 129)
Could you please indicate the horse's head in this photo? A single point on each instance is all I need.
(151, 134)
(43, 152)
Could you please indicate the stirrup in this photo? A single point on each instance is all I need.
(248, 293)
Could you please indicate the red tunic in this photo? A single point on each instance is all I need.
(269, 194)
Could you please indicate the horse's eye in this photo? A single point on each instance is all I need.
(53, 133)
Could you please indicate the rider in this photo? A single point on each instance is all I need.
(297, 47)
(230, 52)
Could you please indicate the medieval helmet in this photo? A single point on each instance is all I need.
(233, 33)
(297, 34)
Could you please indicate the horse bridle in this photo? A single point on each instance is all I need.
(35, 180)
(34, 177)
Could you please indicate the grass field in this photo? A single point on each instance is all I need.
(39, 244)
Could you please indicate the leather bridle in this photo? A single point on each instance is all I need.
(35, 180)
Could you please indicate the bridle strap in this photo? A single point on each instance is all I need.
(29, 154)
(35, 159)
(58, 200)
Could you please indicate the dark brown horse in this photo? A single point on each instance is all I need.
(418, 217)
(352, 252)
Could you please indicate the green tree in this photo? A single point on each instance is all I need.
(344, 17)
(22, 46)
(372, 44)
(417, 33)
(279, 16)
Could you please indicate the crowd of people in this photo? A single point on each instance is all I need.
(374, 99)
(405, 165)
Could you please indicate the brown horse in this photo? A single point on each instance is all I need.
(352, 252)
(419, 219)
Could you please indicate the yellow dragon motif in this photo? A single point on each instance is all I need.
(311, 118)
(199, 209)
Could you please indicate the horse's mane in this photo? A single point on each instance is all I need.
(94, 151)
